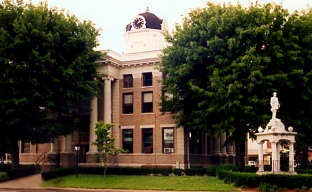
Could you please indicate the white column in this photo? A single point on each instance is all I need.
(108, 100)
(274, 157)
(216, 145)
(55, 146)
(93, 120)
(260, 156)
(278, 163)
(66, 144)
(222, 140)
(291, 157)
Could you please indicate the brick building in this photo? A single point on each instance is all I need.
(129, 99)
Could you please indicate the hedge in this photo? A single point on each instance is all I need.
(110, 171)
(254, 180)
(195, 171)
(23, 171)
(4, 176)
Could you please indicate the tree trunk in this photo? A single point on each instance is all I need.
(14, 153)
(305, 158)
(240, 151)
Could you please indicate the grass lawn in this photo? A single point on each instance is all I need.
(178, 183)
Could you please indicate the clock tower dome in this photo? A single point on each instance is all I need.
(145, 33)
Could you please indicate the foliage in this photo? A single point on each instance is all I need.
(250, 169)
(267, 187)
(22, 171)
(117, 171)
(267, 180)
(48, 71)
(195, 171)
(226, 167)
(4, 176)
(225, 61)
(178, 172)
(105, 143)
(211, 170)
(59, 172)
(304, 171)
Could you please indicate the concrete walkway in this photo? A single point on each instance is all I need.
(29, 182)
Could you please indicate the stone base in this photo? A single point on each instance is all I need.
(48, 167)
(67, 159)
(231, 159)
(216, 159)
(275, 125)
(279, 172)
(91, 159)
(53, 158)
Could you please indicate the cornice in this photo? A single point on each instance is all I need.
(121, 61)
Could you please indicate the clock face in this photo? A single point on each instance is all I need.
(138, 22)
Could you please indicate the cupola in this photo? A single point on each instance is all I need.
(145, 33)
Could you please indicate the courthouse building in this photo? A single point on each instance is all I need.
(130, 101)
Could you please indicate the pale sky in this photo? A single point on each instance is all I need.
(112, 16)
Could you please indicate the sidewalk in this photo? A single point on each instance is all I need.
(29, 182)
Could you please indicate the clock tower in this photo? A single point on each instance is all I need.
(145, 33)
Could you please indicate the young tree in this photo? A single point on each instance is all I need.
(47, 66)
(225, 61)
(105, 144)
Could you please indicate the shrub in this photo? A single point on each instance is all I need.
(245, 179)
(226, 167)
(22, 171)
(4, 176)
(249, 169)
(110, 171)
(178, 172)
(218, 169)
(195, 171)
(60, 172)
(211, 170)
(304, 171)
(267, 187)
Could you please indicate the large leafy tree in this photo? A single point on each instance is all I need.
(225, 61)
(47, 67)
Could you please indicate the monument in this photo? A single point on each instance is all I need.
(275, 132)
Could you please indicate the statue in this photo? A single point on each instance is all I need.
(274, 105)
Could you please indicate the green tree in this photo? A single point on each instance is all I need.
(47, 66)
(225, 61)
(105, 144)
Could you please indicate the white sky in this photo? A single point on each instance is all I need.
(112, 16)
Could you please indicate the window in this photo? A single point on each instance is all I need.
(147, 102)
(127, 107)
(147, 79)
(147, 140)
(25, 147)
(127, 143)
(128, 81)
(168, 140)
